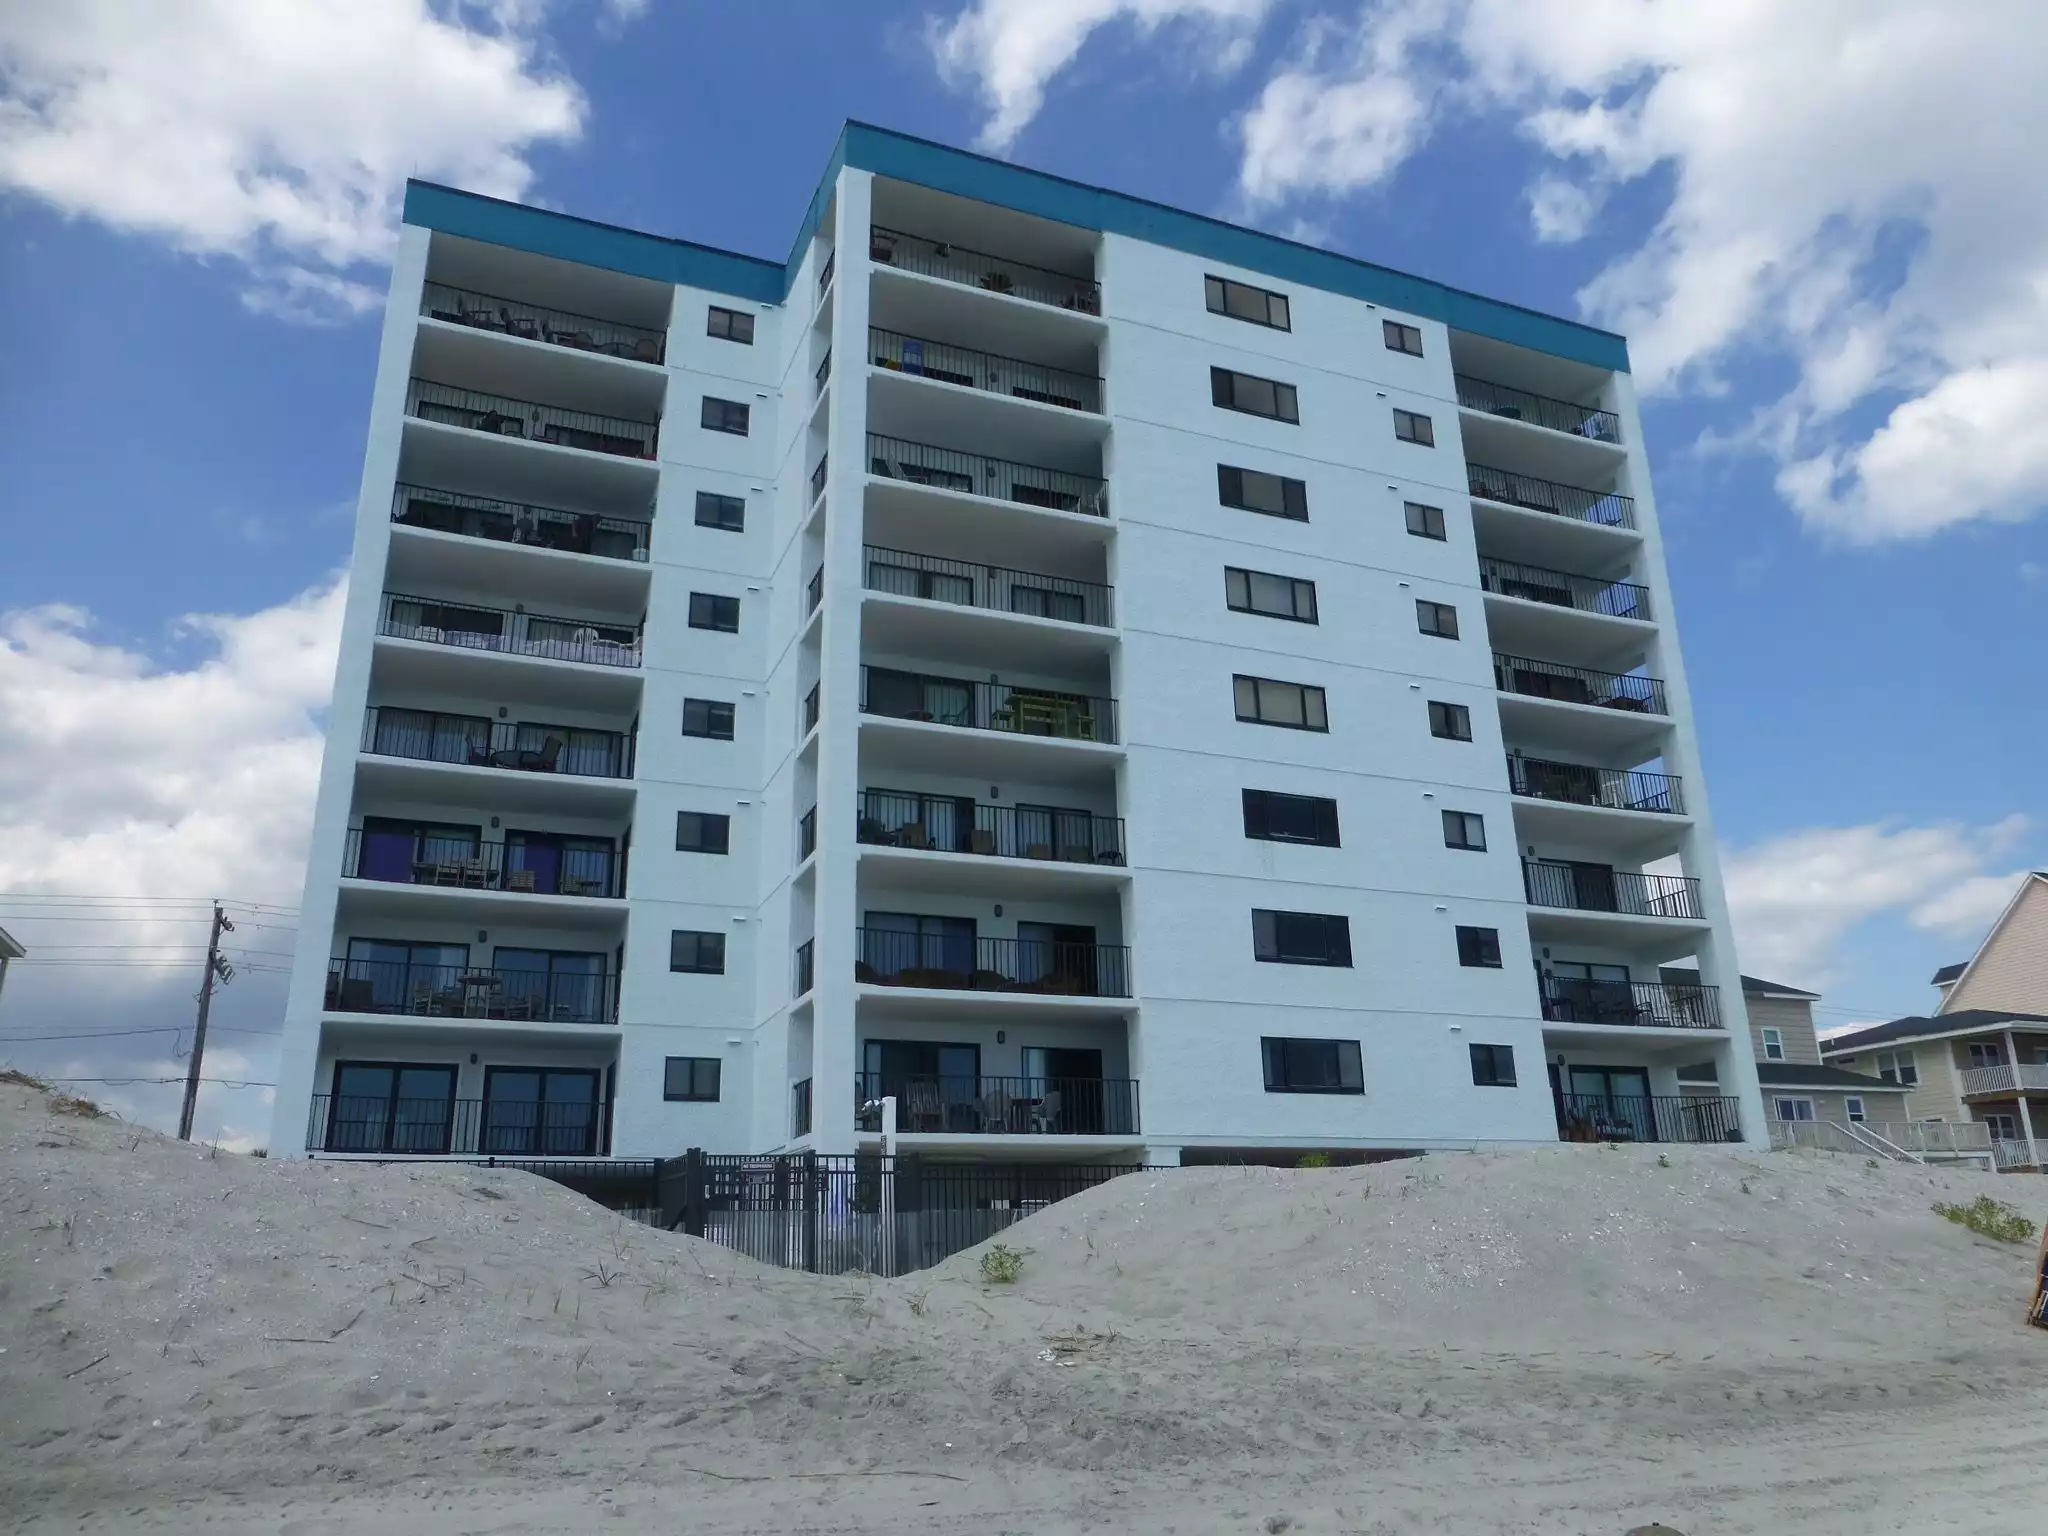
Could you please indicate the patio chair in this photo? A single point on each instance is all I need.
(921, 1108)
(519, 880)
(1045, 1114)
(996, 1110)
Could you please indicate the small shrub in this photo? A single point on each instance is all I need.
(1989, 1218)
(1001, 1265)
(1313, 1160)
(78, 1108)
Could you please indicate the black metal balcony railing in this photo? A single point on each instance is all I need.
(987, 706)
(1663, 1117)
(807, 833)
(515, 634)
(511, 522)
(978, 269)
(1630, 691)
(975, 474)
(818, 477)
(471, 992)
(478, 742)
(823, 376)
(1000, 1106)
(503, 416)
(810, 710)
(900, 573)
(1588, 594)
(806, 966)
(561, 327)
(1595, 888)
(814, 592)
(965, 963)
(457, 1127)
(800, 1108)
(825, 272)
(530, 868)
(1578, 784)
(1519, 405)
(1603, 507)
(945, 824)
(988, 371)
(1647, 1004)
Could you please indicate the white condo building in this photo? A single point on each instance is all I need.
(1122, 686)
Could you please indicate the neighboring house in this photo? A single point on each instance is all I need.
(2010, 968)
(10, 951)
(1797, 1085)
(1981, 1066)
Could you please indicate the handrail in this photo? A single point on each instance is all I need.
(979, 1104)
(537, 867)
(468, 626)
(514, 522)
(1596, 888)
(476, 741)
(902, 573)
(957, 824)
(978, 269)
(1587, 421)
(504, 416)
(1614, 789)
(1643, 1004)
(534, 322)
(471, 992)
(1562, 589)
(959, 701)
(977, 474)
(422, 1127)
(965, 962)
(1635, 692)
(1877, 1143)
(990, 371)
(1606, 508)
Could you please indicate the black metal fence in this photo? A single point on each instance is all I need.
(476, 741)
(892, 819)
(560, 327)
(901, 573)
(495, 1127)
(985, 370)
(818, 477)
(814, 591)
(471, 992)
(472, 628)
(1658, 1117)
(824, 374)
(1588, 594)
(978, 269)
(986, 706)
(538, 867)
(1578, 784)
(811, 706)
(1632, 691)
(975, 474)
(965, 962)
(503, 416)
(1596, 888)
(1520, 405)
(807, 833)
(800, 1108)
(1505, 486)
(1000, 1106)
(825, 272)
(806, 966)
(1649, 1004)
(511, 522)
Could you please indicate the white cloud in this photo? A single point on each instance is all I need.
(1012, 49)
(1968, 910)
(274, 133)
(1560, 210)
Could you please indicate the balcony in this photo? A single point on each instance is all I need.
(1602, 508)
(434, 622)
(511, 522)
(2007, 1079)
(1608, 788)
(1637, 1004)
(1040, 383)
(973, 474)
(1658, 1118)
(475, 741)
(946, 824)
(977, 269)
(1627, 691)
(530, 322)
(1538, 410)
(458, 1127)
(1596, 888)
(968, 705)
(889, 958)
(471, 992)
(2009, 1153)
(899, 573)
(1000, 1106)
(502, 416)
(1560, 589)
(540, 865)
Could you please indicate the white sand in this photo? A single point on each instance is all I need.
(1573, 1340)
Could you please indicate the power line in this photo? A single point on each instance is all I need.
(222, 1082)
(155, 1029)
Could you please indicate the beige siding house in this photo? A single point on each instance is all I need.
(2010, 968)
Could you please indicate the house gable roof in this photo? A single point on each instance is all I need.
(1800, 1074)
(1969, 1021)
(1752, 986)
(2036, 879)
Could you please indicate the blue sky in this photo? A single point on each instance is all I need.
(1843, 342)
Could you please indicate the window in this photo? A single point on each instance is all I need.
(716, 511)
(1262, 701)
(1453, 722)
(1493, 1066)
(1986, 1053)
(1424, 522)
(725, 416)
(1312, 1066)
(1253, 395)
(1480, 947)
(1465, 829)
(1853, 1107)
(1253, 490)
(1439, 619)
(707, 717)
(1301, 938)
(1412, 427)
(2003, 1127)
(1277, 597)
(1792, 1109)
(1276, 818)
(1241, 301)
(730, 325)
(1774, 1045)
(1402, 338)
(690, 1079)
(1898, 1067)
(690, 950)
(703, 832)
(708, 610)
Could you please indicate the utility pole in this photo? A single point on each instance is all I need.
(215, 967)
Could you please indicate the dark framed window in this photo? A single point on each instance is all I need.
(703, 832)
(1465, 829)
(725, 416)
(1253, 395)
(1453, 722)
(1264, 701)
(1301, 938)
(378, 1106)
(690, 1079)
(1277, 597)
(710, 610)
(716, 511)
(730, 325)
(1241, 301)
(1276, 818)
(1493, 1066)
(1402, 338)
(1312, 1066)
(1414, 427)
(1253, 490)
(1479, 947)
(1424, 522)
(1439, 619)
(707, 717)
(692, 950)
